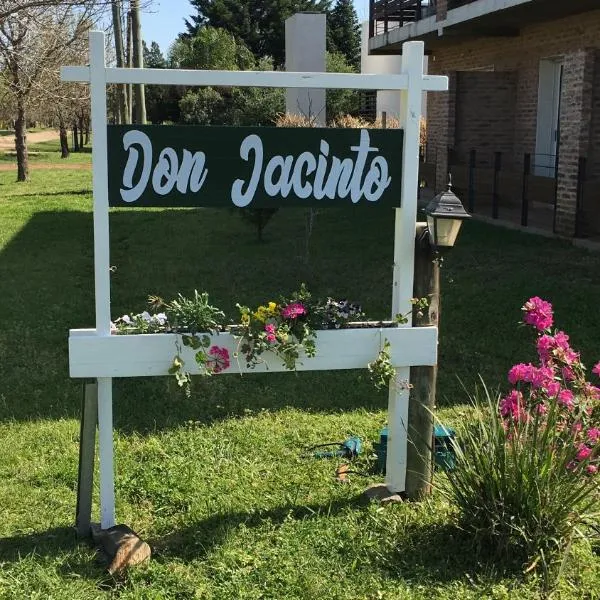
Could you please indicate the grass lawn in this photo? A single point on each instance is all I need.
(49, 152)
(217, 483)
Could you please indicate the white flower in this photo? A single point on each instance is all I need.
(161, 318)
(146, 316)
(126, 319)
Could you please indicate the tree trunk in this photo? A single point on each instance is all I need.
(87, 130)
(80, 118)
(75, 137)
(129, 66)
(122, 102)
(21, 142)
(138, 62)
(64, 140)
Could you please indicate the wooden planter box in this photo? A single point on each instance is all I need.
(144, 355)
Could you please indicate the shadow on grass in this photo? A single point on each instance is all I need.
(199, 539)
(443, 552)
(60, 546)
(48, 270)
(435, 553)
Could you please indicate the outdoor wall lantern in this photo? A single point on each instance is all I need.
(445, 214)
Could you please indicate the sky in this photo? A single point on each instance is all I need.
(166, 19)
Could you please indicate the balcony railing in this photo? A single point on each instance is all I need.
(385, 15)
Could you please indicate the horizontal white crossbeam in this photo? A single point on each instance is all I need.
(279, 79)
(152, 354)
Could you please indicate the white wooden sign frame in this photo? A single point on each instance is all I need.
(95, 353)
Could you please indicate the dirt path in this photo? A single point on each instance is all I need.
(33, 166)
(7, 142)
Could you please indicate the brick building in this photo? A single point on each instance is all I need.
(524, 89)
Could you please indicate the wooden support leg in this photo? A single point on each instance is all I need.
(395, 468)
(105, 449)
(87, 449)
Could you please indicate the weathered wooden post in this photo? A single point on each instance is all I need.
(419, 457)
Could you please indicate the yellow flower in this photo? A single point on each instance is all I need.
(262, 312)
(272, 308)
(245, 320)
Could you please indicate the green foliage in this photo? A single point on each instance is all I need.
(344, 32)
(516, 489)
(214, 48)
(259, 24)
(381, 370)
(162, 101)
(340, 102)
(193, 314)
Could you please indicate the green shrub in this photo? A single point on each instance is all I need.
(526, 480)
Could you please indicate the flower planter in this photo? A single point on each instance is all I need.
(143, 355)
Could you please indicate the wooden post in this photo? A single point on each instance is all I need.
(87, 449)
(419, 459)
(404, 246)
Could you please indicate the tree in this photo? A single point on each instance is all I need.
(138, 61)
(340, 101)
(34, 42)
(122, 97)
(162, 101)
(259, 24)
(214, 48)
(344, 32)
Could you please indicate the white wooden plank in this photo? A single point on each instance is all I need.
(404, 250)
(397, 423)
(152, 354)
(75, 74)
(280, 79)
(100, 183)
(106, 452)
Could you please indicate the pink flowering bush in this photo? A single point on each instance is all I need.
(526, 481)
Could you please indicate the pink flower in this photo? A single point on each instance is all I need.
(596, 369)
(270, 329)
(512, 406)
(568, 374)
(518, 373)
(541, 408)
(218, 359)
(565, 397)
(593, 435)
(583, 452)
(552, 388)
(293, 310)
(592, 469)
(591, 391)
(545, 345)
(538, 313)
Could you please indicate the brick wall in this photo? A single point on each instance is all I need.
(575, 122)
(485, 114)
(594, 152)
(576, 38)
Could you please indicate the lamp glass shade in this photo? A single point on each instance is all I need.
(445, 214)
(445, 231)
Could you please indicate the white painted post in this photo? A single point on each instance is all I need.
(404, 246)
(305, 35)
(102, 270)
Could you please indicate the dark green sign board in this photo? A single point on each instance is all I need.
(254, 167)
